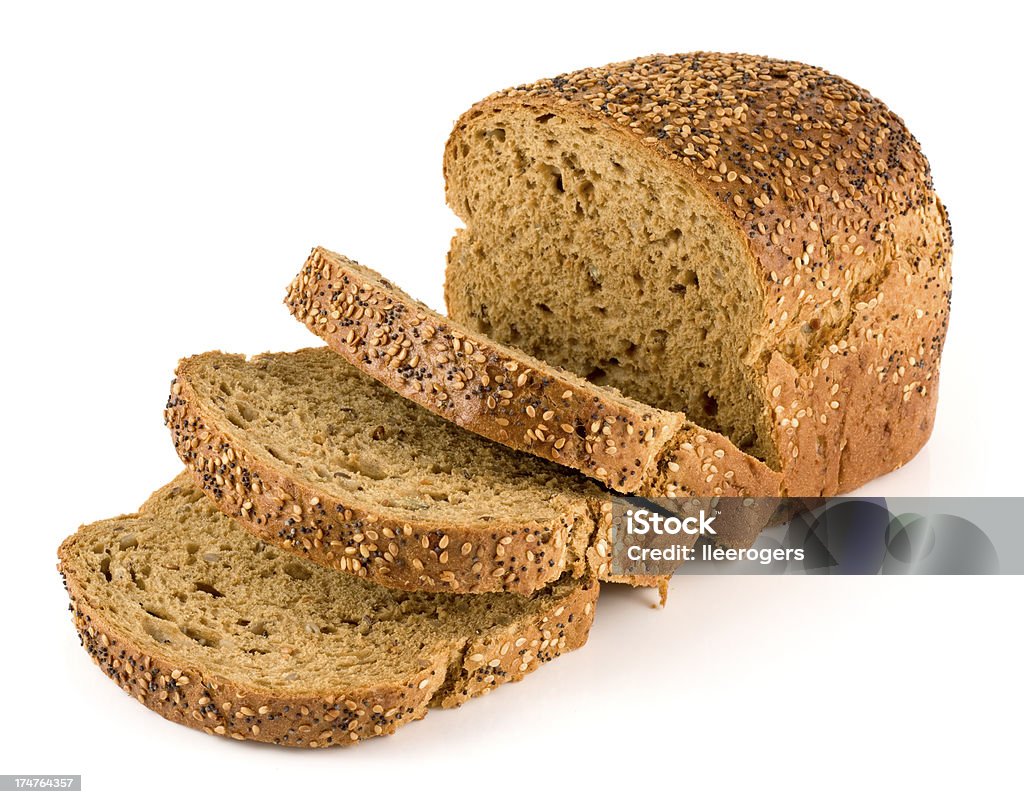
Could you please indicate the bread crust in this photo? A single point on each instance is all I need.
(833, 199)
(188, 694)
(507, 396)
(412, 555)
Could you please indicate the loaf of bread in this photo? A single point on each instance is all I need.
(315, 457)
(221, 632)
(755, 243)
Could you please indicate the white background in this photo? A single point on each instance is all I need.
(162, 177)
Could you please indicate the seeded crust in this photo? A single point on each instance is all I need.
(505, 395)
(818, 185)
(420, 548)
(172, 641)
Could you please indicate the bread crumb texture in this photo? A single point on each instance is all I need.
(224, 633)
(753, 242)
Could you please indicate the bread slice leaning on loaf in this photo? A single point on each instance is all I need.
(754, 242)
(218, 631)
(506, 395)
(312, 455)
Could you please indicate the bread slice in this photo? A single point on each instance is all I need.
(313, 456)
(221, 632)
(754, 242)
(507, 396)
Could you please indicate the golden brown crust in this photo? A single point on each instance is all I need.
(503, 394)
(703, 463)
(311, 522)
(847, 239)
(186, 694)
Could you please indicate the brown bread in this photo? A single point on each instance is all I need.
(504, 394)
(313, 456)
(216, 630)
(753, 242)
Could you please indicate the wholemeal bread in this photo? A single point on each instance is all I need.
(313, 456)
(221, 632)
(754, 242)
(502, 393)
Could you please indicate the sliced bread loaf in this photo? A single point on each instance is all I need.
(751, 241)
(314, 456)
(221, 632)
(510, 397)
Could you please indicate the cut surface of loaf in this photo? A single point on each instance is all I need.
(221, 632)
(754, 242)
(502, 393)
(314, 456)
